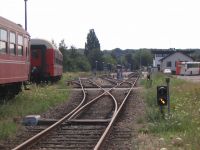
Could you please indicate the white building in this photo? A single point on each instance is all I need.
(169, 62)
(160, 54)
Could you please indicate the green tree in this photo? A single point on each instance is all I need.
(82, 63)
(73, 52)
(63, 49)
(141, 58)
(146, 57)
(196, 55)
(93, 56)
(109, 59)
(92, 42)
(92, 50)
(72, 59)
(78, 62)
(129, 61)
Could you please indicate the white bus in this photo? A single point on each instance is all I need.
(188, 68)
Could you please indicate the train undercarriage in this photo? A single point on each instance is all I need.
(8, 91)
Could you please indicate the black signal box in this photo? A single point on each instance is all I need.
(162, 95)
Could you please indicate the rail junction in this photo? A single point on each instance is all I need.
(91, 120)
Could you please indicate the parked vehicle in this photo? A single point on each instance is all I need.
(14, 57)
(167, 71)
(19, 63)
(46, 61)
(188, 68)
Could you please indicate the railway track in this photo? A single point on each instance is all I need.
(89, 124)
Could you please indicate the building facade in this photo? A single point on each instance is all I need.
(169, 62)
(160, 54)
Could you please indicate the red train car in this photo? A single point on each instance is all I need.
(14, 57)
(46, 61)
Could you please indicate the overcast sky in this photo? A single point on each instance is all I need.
(117, 23)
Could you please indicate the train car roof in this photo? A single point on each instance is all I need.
(47, 43)
(7, 24)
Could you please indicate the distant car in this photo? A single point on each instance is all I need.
(167, 71)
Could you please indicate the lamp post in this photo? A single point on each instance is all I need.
(106, 67)
(140, 60)
(109, 66)
(25, 15)
(103, 67)
(96, 67)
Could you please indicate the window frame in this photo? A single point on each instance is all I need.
(12, 43)
(4, 40)
(20, 44)
(168, 64)
(26, 43)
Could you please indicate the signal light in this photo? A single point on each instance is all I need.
(162, 95)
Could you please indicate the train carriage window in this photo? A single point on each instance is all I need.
(13, 49)
(3, 35)
(3, 41)
(20, 50)
(3, 47)
(20, 45)
(26, 44)
(12, 43)
(20, 40)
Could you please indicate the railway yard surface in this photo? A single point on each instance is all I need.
(92, 118)
(84, 129)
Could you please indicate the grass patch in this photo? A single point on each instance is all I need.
(7, 127)
(70, 76)
(34, 101)
(183, 120)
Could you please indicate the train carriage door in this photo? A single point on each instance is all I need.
(35, 57)
(43, 59)
(38, 58)
(26, 53)
(199, 68)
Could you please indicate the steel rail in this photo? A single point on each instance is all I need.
(75, 82)
(107, 130)
(74, 116)
(94, 100)
(72, 82)
(88, 80)
(108, 92)
(128, 82)
(133, 74)
(110, 80)
(86, 105)
(33, 139)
